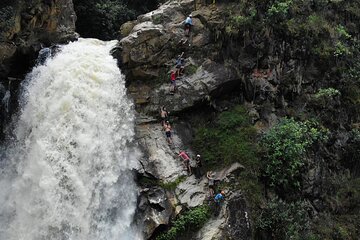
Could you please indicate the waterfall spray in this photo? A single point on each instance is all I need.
(67, 173)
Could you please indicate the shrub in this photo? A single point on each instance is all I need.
(279, 10)
(327, 93)
(171, 186)
(191, 220)
(324, 96)
(287, 144)
(285, 220)
(230, 139)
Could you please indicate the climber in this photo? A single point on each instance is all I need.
(219, 198)
(173, 81)
(188, 25)
(186, 161)
(178, 64)
(164, 114)
(167, 129)
(211, 183)
(198, 165)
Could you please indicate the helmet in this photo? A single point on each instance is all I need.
(190, 15)
(198, 155)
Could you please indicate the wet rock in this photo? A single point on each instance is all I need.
(238, 218)
(154, 210)
(30, 23)
(233, 221)
(192, 192)
(160, 160)
(226, 172)
(209, 79)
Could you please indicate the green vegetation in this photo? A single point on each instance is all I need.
(102, 18)
(231, 138)
(191, 69)
(285, 220)
(326, 29)
(171, 186)
(287, 144)
(327, 93)
(325, 96)
(279, 10)
(189, 221)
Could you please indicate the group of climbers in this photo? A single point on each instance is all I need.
(180, 60)
(192, 167)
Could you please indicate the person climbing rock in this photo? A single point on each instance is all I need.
(167, 129)
(219, 198)
(193, 167)
(186, 161)
(211, 183)
(173, 81)
(178, 64)
(188, 25)
(198, 165)
(164, 114)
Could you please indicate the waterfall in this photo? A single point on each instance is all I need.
(67, 173)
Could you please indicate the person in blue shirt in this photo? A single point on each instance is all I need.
(188, 24)
(219, 198)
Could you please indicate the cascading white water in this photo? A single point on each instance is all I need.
(67, 175)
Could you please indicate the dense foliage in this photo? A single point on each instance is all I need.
(324, 28)
(102, 18)
(287, 144)
(189, 221)
(229, 139)
(285, 220)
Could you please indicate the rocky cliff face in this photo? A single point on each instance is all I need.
(269, 74)
(27, 24)
(25, 27)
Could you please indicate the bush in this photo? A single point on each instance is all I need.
(190, 221)
(325, 96)
(327, 93)
(279, 10)
(285, 220)
(230, 139)
(287, 144)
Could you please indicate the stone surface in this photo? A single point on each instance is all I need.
(154, 210)
(160, 160)
(192, 192)
(209, 79)
(26, 24)
(232, 223)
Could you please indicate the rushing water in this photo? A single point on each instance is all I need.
(67, 172)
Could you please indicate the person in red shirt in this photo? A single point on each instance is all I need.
(173, 81)
(186, 161)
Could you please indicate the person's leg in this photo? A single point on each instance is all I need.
(211, 190)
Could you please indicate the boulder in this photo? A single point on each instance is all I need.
(154, 210)
(192, 192)
(232, 223)
(210, 79)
